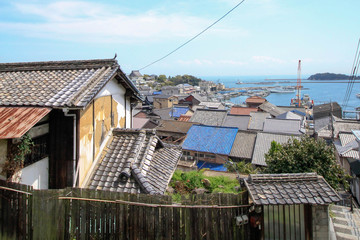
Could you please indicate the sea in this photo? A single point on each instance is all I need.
(324, 92)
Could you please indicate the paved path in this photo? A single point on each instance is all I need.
(345, 223)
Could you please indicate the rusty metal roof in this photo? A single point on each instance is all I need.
(16, 121)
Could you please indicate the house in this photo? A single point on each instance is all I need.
(194, 99)
(171, 90)
(164, 101)
(69, 108)
(263, 144)
(243, 146)
(257, 120)
(254, 101)
(140, 122)
(238, 121)
(290, 116)
(290, 206)
(136, 77)
(173, 131)
(134, 162)
(270, 108)
(324, 110)
(208, 144)
(170, 113)
(329, 128)
(209, 117)
(212, 105)
(275, 125)
(347, 149)
(237, 110)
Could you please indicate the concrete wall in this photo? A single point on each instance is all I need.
(36, 175)
(320, 221)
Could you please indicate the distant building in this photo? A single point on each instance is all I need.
(254, 101)
(136, 77)
(164, 101)
(172, 90)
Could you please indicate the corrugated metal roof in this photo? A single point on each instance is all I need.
(16, 121)
(263, 144)
(255, 99)
(243, 145)
(210, 139)
(184, 118)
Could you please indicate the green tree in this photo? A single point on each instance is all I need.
(306, 155)
(162, 78)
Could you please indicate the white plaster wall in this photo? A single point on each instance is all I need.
(128, 113)
(111, 88)
(120, 99)
(36, 175)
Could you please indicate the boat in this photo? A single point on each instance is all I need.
(282, 90)
(239, 82)
(358, 95)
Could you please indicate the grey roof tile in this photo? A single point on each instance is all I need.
(209, 117)
(56, 84)
(296, 188)
(147, 168)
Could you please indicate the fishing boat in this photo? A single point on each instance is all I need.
(239, 82)
(281, 90)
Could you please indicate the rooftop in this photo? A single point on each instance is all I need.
(209, 117)
(58, 83)
(289, 189)
(243, 145)
(235, 110)
(274, 125)
(135, 162)
(210, 139)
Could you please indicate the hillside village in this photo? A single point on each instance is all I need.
(87, 129)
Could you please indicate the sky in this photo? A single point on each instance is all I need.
(260, 37)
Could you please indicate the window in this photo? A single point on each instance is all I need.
(38, 151)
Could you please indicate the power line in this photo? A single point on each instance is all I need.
(197, 35)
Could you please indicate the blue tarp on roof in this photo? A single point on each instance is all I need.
(210, 139)
(211, 166)
(177, 111)
(298, 112)
(157, 93)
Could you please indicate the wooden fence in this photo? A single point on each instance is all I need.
(74, 213)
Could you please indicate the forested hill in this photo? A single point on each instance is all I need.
(329, 76)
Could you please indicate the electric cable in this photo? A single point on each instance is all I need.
(191, 39)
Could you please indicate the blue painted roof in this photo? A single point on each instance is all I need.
(211, 166)
(157, 93)
(177, 111)
(298, 112)
(210, 139)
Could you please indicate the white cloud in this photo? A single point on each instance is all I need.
(93, 22)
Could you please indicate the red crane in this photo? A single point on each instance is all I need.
(298, 86)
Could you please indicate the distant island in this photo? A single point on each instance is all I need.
(330, 76)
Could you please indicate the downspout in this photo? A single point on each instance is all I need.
(75, 169)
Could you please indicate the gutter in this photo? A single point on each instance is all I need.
(75, 168)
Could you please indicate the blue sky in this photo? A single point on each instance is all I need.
(261, 37)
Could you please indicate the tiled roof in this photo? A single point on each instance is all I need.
(163, 113)
(135, 162)
(289, 115)
(213, 105)
(184, 118)
(56, 84)
(271, 108)
(242, 110)
(289, 189)
(325, 109)
(349, 150)
(163, 96)
(274, 125)
(209, 117)
(255, 99)
(16, 121)
(174, 126)
(210, 139)
(339, 126)
(263, 144)
(238, 121)
(356, 133)
(243, 145)
(257, 120)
